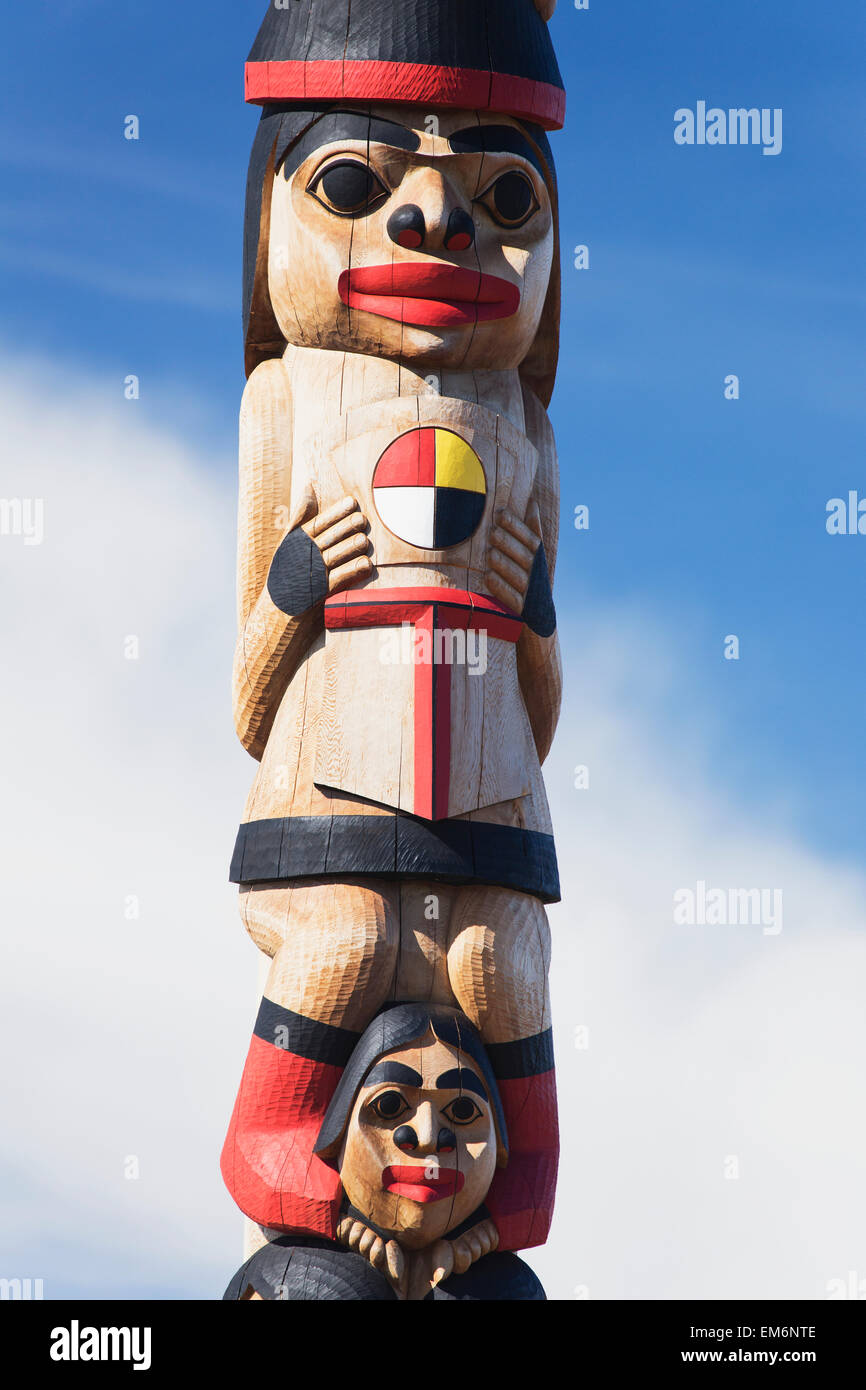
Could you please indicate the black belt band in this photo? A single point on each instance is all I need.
(526, 1057)
(304, 1037)
(454, 851)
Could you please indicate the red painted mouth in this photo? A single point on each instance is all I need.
(429, 295)
(411, 1181)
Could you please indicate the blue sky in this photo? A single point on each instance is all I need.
(124, 257)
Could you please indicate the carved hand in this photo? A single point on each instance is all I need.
(414, 1275)
(430, 1267)
(386, 1256)
(513, 547)
(340, 532)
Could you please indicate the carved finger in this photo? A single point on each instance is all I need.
(353, 1236)
(462, 1255)
(476, 1250)
(442, 1261)
(489, 1234)
(353, 545)
(522, 554)
(396, 1262)
(482, 1234)
(350, 573)
(507, 596)
(518, 578)
(509, 522)
(331, 515)
(344, 1230)
(367, 1241)
(376, 1254)
(355, 521)
(533, 518)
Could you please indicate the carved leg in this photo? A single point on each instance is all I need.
(422, 968)
(334, 948)
(498, 961)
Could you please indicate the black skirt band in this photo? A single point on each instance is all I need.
(453, 851)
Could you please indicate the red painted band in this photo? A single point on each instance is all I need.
(441, 673)
(268, 1160)
(521, 1195)
(505, 627)
(469, 89)
(427, 755)
(463, 610)
(432, 725)
(421, 594)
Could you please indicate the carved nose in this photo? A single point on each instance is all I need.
(405, 1138)
(406, 227)
(460, 232)
(446, 1142)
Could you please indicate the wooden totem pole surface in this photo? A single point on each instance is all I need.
(397, 673)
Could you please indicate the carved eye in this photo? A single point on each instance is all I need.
(348, 188)
(511, 199)
(462, 1111)
(390, 1105)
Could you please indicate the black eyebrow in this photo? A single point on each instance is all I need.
(349, 125)
(494, 139)
(395, 1072)
(461, 1079)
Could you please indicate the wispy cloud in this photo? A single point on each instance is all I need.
(123, 162)
(174, 287)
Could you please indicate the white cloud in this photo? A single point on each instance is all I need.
(127, 1037)
(706, 1043)
(121, 778)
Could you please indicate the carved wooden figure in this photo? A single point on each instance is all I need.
(416, 1131)
(397, 672)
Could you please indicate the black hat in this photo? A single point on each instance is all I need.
(479, 55)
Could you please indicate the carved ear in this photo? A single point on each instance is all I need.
(545, 8)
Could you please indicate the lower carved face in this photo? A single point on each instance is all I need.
(420, 1148)
(425, 238)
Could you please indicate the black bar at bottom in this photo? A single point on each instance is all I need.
(649, 1337)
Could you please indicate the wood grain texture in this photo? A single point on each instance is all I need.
(393, 774)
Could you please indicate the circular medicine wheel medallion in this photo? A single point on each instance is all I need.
(429, 488)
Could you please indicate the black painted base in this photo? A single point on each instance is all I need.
(295, 1269)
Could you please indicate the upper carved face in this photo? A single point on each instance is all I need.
(420, 1148)
(426, 238)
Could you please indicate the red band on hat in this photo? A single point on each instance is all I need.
(416, 84)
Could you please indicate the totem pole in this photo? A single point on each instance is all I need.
(397, 673)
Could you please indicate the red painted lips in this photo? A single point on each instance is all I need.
(411, 1181)
(429, 295)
